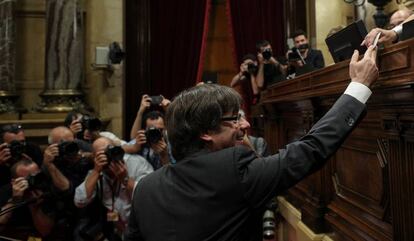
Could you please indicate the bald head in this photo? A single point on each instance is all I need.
(101, 143)
(399, 16)
(60, 134)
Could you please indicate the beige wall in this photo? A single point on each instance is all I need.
(104, 24)
(330, 14)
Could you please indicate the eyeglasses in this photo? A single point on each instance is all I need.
(235, 118)
(14, 128)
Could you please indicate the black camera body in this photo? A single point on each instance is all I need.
(91, 123)
(39, 181)
(267, 54)
(156, 100)
(114, 153)
(252, 68)
(153, 135)
(17, 148)
(294, 55)
(68, 148)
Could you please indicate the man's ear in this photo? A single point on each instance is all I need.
(206, 137)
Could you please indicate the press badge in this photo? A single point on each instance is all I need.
(112, 216)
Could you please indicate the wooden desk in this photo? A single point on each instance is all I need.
(366, 190)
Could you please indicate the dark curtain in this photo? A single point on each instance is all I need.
(178, 33)
(251, 21)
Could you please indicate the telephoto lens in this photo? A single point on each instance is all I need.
(269, 224)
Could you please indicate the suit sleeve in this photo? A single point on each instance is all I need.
(133, 232)
(263, 178)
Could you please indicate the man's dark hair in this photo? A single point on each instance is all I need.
(24, 162)
(13, 128)
(298, 33)
(152, 115)
(249, 56)
(196, 111)
(261, 44)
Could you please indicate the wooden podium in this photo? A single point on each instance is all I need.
(366, 190)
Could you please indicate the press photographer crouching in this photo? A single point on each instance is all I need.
(67, 170)
(302, 58)
(112, 182)
(14, 148)
(25, 210)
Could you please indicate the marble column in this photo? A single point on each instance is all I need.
(64, 68)
(8, 95)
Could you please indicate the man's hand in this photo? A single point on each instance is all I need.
(101, 160)
(37, 195)
(76, 125)
(260, 59)
(165, 103)
(140, 139)
(364, 71)
(386, 36)
(50, 154)
(19, 185)
(119, 170)
(160, 147)
(4, 153)
(145, 103)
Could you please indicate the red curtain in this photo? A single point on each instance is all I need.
(251, 21)
(178, 39)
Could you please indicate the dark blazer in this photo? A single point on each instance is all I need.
(213, 195)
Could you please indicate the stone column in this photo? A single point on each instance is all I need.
(64, 68)
(8, 95)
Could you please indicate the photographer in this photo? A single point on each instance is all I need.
(270, 70)
(148, 132)
(35, 217)
(14, 148)
(302, 58)
(247, 78)
(112, 180)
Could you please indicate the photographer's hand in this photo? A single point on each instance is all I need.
(76, 125)
(165, 103)
(58, 179)
(50, 154)
(145, 103)
(161, 149)
(260, 59)
(101, 160)
(119, 170)
(19, 185)
(364, 71)
(4, 153)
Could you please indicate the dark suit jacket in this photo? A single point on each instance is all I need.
(212, 195)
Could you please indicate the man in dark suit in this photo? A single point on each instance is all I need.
(216, 186)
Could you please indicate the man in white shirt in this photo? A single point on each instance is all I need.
(113, 180)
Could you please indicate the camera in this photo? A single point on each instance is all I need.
(68, 148)
(91, 123)
(153, 135)
(252, 68)
(17, 148)
(38, 181)
(156, 100)
(114, 153)
(267, 54)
